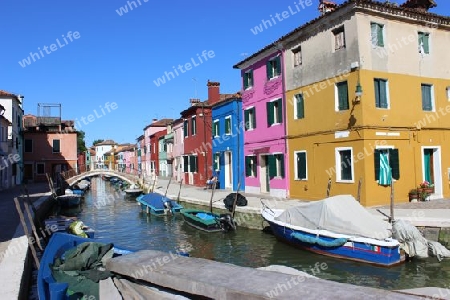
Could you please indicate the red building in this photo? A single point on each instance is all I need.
(197, 133)
(81, 162)
(154, 150)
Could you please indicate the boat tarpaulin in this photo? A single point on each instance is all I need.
(339, 214)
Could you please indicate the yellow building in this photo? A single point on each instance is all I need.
(368, 93)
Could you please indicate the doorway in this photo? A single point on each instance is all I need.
(264, 174)
(431, 169)
(228, 170)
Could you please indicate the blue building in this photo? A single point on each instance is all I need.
(228, 143)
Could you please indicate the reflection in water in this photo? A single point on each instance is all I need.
(121, 220)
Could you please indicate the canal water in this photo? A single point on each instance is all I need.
(120, 220)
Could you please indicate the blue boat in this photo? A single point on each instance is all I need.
(158, 205)
(48, 287)
(337, 227)
(208, 221)
(68, 201)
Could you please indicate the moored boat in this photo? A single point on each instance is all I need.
(338, 227)
(158, 205)
(68, 201)
(208, 221)
(133, 191)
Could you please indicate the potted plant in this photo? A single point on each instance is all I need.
(413, 195)
(427, 187)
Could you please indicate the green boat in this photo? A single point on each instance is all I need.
(208, 221)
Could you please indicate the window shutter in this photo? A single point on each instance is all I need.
(377, 163)
(185, 128)
(426, 45)
(301, 165)
(248, 166)
(272, 166)
(269, 70)
(300, 106)
(245, 80)
(426, 97)
(383, 93)
(278, 62)
(214, 129)
(376, 84)
(254, 117)
(269, 114)
(420, 40)
(281, 158)
(280, 111)
(394, 162)
(185, 163)
(374, 35)
(343, 95)
(380, 35)
(247, 118)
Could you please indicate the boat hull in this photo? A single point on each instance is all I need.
(69, 201)
(343, 248)
(154, 204)
(210, 224)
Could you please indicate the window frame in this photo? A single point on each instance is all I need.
(296, 171)
(390, 149)
(379, 27)
(53, 146)
(275, 112)
(250, 118)
(274, 71)
(336, 33)
(251, 163)
(388, 100)
(447, 92)
(426, 49)
(185, 128)
(432, 99)
(216, 161)
(248, 79)
(193, 125)
(336, 102)
(216, 128)
(339, 165)
(297, 56)
(37, 168)
(296, 107)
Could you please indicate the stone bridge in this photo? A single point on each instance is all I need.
(72, 177)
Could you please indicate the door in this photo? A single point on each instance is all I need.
(264, 174)
(431, 169)
(228, 170)
(28, 172)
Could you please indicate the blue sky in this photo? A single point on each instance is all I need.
(117, 58)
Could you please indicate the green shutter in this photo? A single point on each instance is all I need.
(426, 97)
(301, 165)
(377, 163)
(280, 111)
(272, 166)
(227, 125)
(269, 70)
(426, 43)
(281, 158)
(248, 166)
(192, 163)
(383, 93)
(214, 129)
(343, 95)
(376, 84)
(185, 163)
(300, 106)
(185, 128)
(245, 80)
(270, 114)
(394, 163)
(254, 117)
(278, 62)
(247, 118)
(380, 35)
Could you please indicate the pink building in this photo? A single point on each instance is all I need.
(130, 159)
(50, 147)
(178, 149)
(263, 103)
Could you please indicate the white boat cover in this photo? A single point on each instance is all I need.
(339, 214)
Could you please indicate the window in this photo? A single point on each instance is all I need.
(344, 164)
(185, 128)
(392, 158)
(250, 118)
(228, 125)
(339, 38)
(299, 107)
(56, 146)
(186, 164)
(297, 56)
(377, 34)
(273, 67)
(381, 93)
(217, 161)
(193, 125)
(276, 165)
(215, 128)
(193, 164)
(274, 112)
(424, 43)
(40, 168)
(250, 166)
(342, 96)
(248, 79)
(448, 93)
(28, 145)
(427, 97)
(301, 168)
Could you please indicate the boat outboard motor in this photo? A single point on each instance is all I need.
(227, 223)
(168, 206)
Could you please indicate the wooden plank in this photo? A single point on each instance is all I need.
(33, 228)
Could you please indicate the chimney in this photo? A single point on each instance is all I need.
(326, 6)
(419, 5)
(213, 92)
(154, 120)
(194, 101)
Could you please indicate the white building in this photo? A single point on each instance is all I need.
(13, 163)
(100, 150)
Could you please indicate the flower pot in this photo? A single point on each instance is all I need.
(413, 197)
(429, 190)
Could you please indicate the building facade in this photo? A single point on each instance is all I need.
(13, 112)
(4, 154)
(264, 109)
(178, 149)
(368, 87)
(149, 166)
(50, 147)
(156, 141)
(100, 150)
(228, 143)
